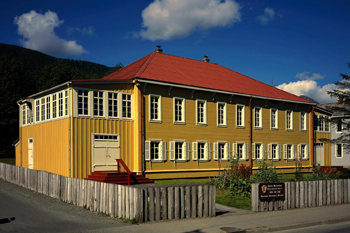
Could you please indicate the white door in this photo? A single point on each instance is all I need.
(105, 151)
(319, 153)
(30, 154)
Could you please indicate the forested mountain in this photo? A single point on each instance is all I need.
(24, 72)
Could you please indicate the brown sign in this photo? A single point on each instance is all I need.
(271, 190)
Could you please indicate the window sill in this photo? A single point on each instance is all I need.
(258, 128)
(303, 130)
(156, 161)
(179, 123)
(202, 124)
(180, 160)
(222, 126)
(304, 159)
(276, 129)
(290, 130)
(203, 161)
(155, 121)
(240, 127)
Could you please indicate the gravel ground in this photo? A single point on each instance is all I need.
(35, 212)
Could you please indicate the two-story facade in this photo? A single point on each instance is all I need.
(166, 117)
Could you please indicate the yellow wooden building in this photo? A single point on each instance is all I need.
(167, 117)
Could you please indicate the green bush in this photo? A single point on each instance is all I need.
(241, 188)
(266, 173)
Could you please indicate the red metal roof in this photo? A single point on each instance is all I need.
(184, 71)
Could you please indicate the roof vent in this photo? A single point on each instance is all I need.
(159, 49)
(206, 59)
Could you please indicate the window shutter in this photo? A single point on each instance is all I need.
(147, 152)
(263, 151)
(285, 151)
(216, 151)
(253, 150)
(209, 151)
(188, 151)
(194, 147)
(293, 151)
(279, 151)
(172, 150)
(164, 154)
(246, 151)
(300, 156)
(228, 153)
(270, 151)
(307, 151)
(234, 150)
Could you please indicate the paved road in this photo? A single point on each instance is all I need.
(343, 227)
(34, 212)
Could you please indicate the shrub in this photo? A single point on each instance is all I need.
(241, 188)
(266, 173)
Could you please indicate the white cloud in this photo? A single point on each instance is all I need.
(310, 89)
(305, 75)
(38, 33)
(84, 31)
(269, 15)
(169, 19)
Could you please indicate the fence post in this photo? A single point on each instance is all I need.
(158, 204)
(164, 203)
(255, 197)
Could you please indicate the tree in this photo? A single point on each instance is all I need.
(341, 110)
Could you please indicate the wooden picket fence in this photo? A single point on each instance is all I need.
(305, 194)
(141, 203)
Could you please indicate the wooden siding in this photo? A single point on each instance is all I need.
(84, 127)
(327, 146)
(50, 146)
(168, 131)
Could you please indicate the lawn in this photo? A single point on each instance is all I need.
(11, 161)
(222, 197)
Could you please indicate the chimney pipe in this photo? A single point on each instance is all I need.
(159, 49)
(206, 59)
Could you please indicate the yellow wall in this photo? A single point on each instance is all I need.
(50, 146)
(168, 131)
(326, 144)
(84, 127)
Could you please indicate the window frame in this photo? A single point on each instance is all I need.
(285, 151)
(260, 118)
(195, 151)
(242, 126)
(278, 151)
(336, 151)
(262, 151)
(131, 106)
(291, 120)
(304, 156)
(339, 124)
(204, 123)
(276, 119)
(159, 118)
(162, 151)
(224, 114)
(245, 150)
(303, 128)
(113, 106)
(183, 112)
(104, 103)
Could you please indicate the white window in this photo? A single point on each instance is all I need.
(326, 124)
(274, 151)
(60, 104)
(29, 115)
(258, 151)
(338, 150)
(258, 117)
(339, 128)
(289, 151)
(66, 102)
(112, 104)
(155, 108)
(126, 105)
(201, 112)
(302, 121)
(54, 105)
(48, 108)
(221, 114)
(98, 103)
(240, 116)
(241, 150)
(37, 110)
(274, 118)
(289, 120)
(155, 150)
(179, 150)
(24, 112)
(42, 109)
(321, 124)
(179, 110)
(316, 122)
(303, 151)
(83, 102)
(201, 151)
(222, 151)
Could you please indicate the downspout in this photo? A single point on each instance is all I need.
(140, 127)
(312, 137)
(250, 135)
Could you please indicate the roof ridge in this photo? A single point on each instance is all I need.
(145, 65)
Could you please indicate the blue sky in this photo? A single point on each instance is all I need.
(298, 46)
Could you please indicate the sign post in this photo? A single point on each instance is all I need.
(271, 191)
